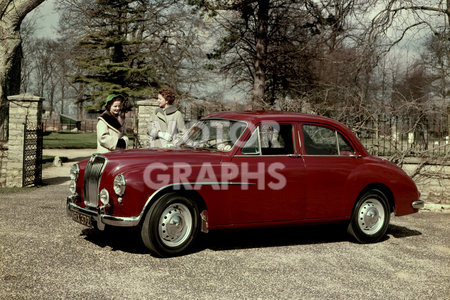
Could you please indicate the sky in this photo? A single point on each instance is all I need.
(46, 19)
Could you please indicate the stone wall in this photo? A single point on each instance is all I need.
(146, 109)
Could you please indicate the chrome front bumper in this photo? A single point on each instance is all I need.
(99, 217)
(418, 204)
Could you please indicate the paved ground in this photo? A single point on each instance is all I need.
(44, 254)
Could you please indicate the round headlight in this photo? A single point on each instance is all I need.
(74, 172)
(119, 185)
(104, 196)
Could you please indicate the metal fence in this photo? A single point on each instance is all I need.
(387, 136)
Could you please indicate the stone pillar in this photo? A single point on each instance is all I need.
(24, 108)
(146, 110)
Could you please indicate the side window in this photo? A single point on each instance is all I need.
(324, 141)
(270, 139)
(276, 139)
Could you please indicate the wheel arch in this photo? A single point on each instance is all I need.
(179, 189)
(382, 188)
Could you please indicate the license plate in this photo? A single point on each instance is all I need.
(82, 219)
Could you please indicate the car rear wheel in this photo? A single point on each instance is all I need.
(170, 225)
(370, 217)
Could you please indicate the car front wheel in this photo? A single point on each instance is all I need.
(370, 217)
(170, 225)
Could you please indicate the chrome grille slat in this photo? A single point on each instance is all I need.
(92, 175)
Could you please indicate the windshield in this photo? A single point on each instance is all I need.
(213, 134)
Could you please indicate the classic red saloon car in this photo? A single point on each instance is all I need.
(242, 169)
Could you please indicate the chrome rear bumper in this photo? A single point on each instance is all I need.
(418, 204)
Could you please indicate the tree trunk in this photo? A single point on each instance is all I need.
(9, 54)
(9, 68)
(12, 12)
(261, 54)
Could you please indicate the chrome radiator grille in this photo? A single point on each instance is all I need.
(92, 175)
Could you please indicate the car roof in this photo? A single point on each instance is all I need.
(265, 115)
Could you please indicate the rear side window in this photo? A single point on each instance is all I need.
(319, 140)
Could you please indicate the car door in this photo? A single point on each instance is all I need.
(271, 176)
(329, 160)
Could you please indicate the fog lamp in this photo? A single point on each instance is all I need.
(104, 197)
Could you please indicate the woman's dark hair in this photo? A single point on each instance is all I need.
(168, 94)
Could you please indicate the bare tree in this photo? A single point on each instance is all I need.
(272, 46)
(437, 60)
(409, 16)
(174, 46)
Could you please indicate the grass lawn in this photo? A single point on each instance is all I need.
(70, 140)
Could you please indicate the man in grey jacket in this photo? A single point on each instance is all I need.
(167, 123)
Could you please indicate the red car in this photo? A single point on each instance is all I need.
(242, 169)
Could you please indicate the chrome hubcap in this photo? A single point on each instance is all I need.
(175, 225)
(371, 216)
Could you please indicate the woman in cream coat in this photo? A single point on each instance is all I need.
(167, 124)
(111, 131)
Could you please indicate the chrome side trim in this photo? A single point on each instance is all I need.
(266, 155)
(329, 155)
(296, 155)
(418, 204)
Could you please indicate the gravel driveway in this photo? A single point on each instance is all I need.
(44, 254)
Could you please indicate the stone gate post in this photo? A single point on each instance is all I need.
(146, 109)
(22, 108)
